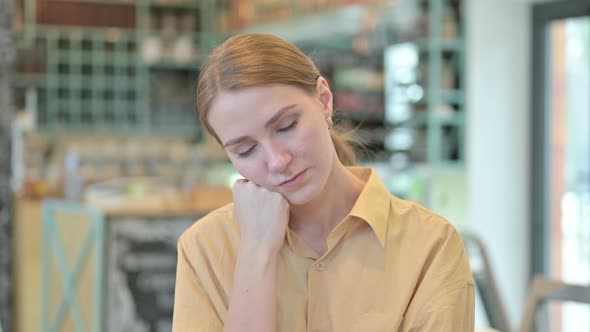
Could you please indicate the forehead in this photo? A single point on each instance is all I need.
(250, 106)
(255, 98)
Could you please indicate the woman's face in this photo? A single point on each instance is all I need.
(277, 137)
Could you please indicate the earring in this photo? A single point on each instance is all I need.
(330, 122)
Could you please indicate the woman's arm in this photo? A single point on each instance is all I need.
(452, 310)
(197, 307)
(445, 298)
(262, 216)
(253, 302)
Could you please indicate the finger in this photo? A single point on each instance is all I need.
(239, 182)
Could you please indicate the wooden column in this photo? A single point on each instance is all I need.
(6, 58)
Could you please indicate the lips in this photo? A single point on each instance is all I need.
(293, 179)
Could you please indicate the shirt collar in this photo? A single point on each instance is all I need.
(372, 206)
(373, 203)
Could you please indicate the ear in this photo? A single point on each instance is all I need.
(325, 95)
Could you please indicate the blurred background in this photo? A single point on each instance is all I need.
(477, 109)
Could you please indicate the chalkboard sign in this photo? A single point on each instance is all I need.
(141, 272)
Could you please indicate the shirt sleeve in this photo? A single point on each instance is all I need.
(445, 299)
(194, 311)
(451, 311)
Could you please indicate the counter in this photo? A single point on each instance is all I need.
(131, 256)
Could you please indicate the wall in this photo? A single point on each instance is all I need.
(498, 139)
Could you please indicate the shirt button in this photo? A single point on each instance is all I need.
(320, 266)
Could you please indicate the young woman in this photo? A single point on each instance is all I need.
(309, 243)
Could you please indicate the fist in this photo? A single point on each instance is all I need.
(262, 215)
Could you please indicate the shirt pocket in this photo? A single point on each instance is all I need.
(377, 322)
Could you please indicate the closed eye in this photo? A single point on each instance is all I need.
(289, 127)
(246, 153)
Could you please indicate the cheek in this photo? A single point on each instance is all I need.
(303, 146)
(314, 143)
(251, 170)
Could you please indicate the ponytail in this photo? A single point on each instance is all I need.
(343, 145)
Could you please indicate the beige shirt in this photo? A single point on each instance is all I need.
(391, 265)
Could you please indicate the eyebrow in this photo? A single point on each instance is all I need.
(268, 123)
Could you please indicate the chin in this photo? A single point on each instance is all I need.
(302, 196)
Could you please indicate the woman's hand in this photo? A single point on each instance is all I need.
(262, 216)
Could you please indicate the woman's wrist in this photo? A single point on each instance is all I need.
(259, 247)
(256, 253)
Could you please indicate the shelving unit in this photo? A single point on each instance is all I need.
(425, 109)
(100, 79)
(426, 90)
(93, 80)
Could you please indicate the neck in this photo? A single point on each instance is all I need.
(318, 217)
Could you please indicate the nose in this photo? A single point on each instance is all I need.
(278, 158)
